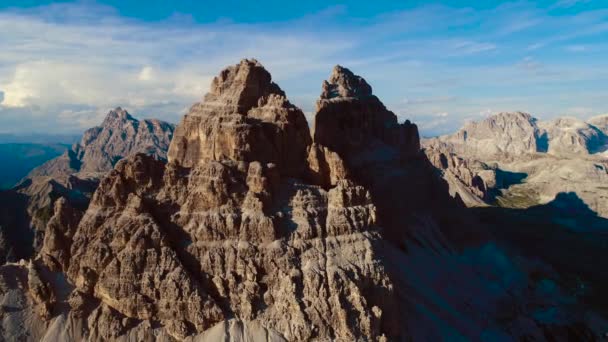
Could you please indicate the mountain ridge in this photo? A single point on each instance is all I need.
(256, 230)
(560, 155)
(75, 174)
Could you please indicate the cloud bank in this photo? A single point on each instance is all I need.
(63, 66)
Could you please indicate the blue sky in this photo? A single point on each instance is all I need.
(63, 65)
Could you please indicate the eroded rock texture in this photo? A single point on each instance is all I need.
(74, 176)
(229, 229)
(534, 160)
(254, 230)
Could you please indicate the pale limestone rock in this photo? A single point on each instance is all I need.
(552, 157)
(244, 117)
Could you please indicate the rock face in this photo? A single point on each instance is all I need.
(256, 231)
(227, 231)
(470, 179)
(512, 134)
(245, 117)
(504, 133)
(350, 121)
(571, 136)
(600, 122)
(545, 158)
(74, 176)
(101, 147)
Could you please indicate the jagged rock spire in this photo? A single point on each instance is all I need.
(244, 117)
(117, 115)
(238, 88)
(344, 83)
(350, 118)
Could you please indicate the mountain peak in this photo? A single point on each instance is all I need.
(117, 115)
(244, 117)
(239, 87)
(344, 83)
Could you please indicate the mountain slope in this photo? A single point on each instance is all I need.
(254, 230)
(74, 175)
(563, 155)
(100, 148)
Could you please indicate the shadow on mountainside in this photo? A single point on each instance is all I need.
(16, 238)
(565, 234)
(504, 180)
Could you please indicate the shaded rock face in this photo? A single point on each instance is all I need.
(232, 241)
(356, 137)
(472, 180)
(350, 119)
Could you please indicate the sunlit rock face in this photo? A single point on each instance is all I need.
(256, 231)
(515, 160)
(232, 229)
(74, 176)
(245, 117)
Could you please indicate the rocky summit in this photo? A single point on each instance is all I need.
(256, 230)
(74, 176)
(515, 160)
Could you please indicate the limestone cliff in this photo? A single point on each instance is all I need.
(256, 231)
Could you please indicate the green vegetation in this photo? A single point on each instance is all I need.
(518, 197)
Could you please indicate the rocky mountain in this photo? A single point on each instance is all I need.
(74, 176)
(256, 230)
(513, 134)
(539, 160)
(101, 147)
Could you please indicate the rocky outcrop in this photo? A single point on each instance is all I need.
(470, 179)
(245, 117)
(600, 122)
(543, 158)
(74, 176)
(506, 135)
(357, 137)
(571, 136)
(120, 135)
(228, 229)
(501, 134)
(350, 121)
(253, 230)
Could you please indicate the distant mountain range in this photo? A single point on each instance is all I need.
(516, 160)
(38, 138)
(48, 173)
(243, 225)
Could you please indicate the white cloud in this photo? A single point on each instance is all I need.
(146, 74)
(576, 48)
(103, 61)
(67, 64)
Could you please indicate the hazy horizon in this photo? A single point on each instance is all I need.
(64, 65)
